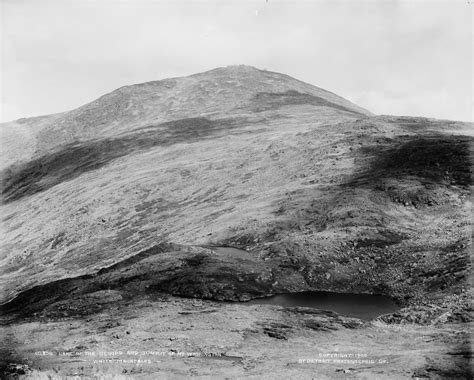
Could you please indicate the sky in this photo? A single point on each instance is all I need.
(399, 57)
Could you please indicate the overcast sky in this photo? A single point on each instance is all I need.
(391, 57)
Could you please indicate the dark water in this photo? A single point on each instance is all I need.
(363, 306)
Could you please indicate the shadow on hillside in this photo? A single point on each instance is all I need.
(165, 268)
(40, 296)
(265, 101)
(430, 159)
(73, 160)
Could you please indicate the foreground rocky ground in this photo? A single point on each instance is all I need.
(111, 335)
(118, 323)
(110, 212)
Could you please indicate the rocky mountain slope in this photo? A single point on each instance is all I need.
(130, 193)
(223, 92)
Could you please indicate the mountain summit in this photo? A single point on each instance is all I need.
(229, 91)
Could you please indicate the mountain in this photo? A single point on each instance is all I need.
(127, 197)
(234, 91)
